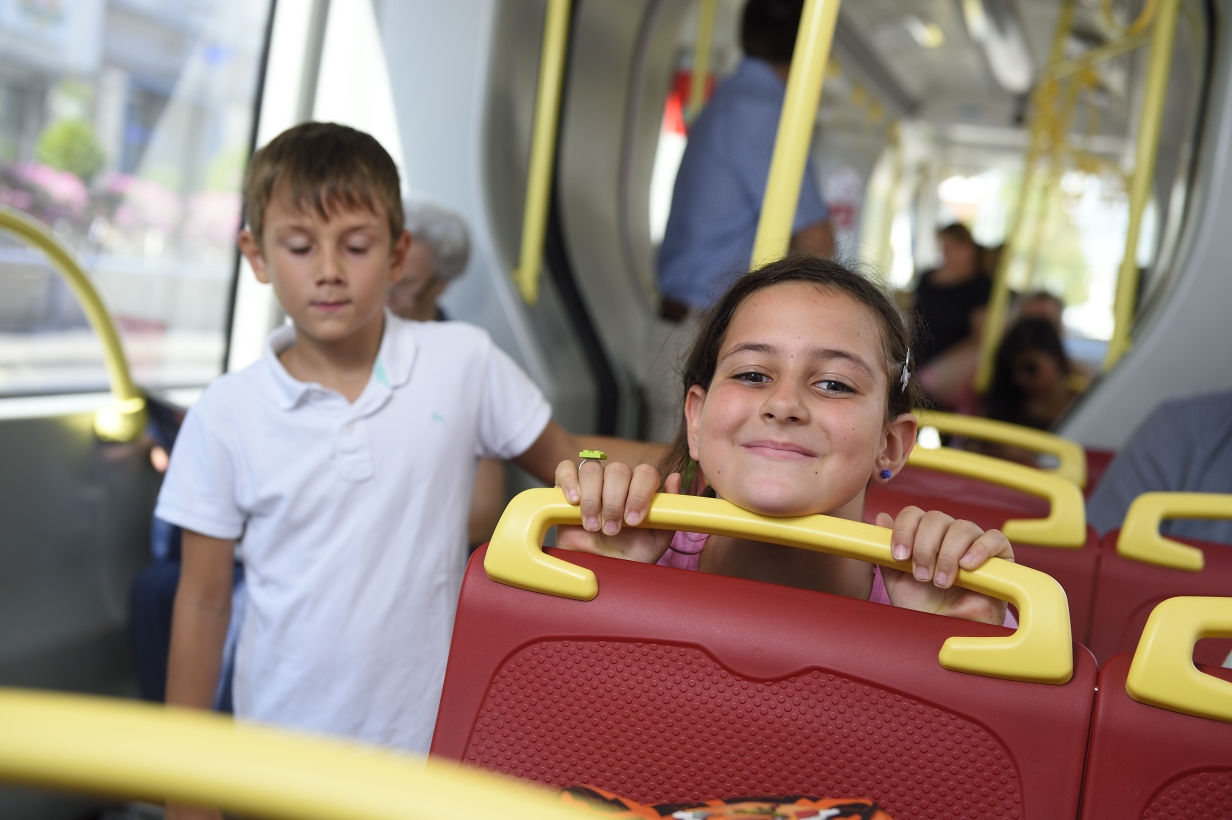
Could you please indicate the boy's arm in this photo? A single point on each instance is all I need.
(199, 624)
(556, 444)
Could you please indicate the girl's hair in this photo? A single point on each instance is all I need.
(1005, 400)
(823, 274)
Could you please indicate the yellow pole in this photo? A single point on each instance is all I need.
(791, 145)
(999, 301)
(702, 46)
(1057, 143)
(1158, 69)
(124, 419)
(543, 148)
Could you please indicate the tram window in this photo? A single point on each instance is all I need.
(125, 127)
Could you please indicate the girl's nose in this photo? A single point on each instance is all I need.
(785, 403)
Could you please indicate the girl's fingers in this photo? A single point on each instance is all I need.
(958, 539)
(992, 544)
(884, 520)
(902, 540)
(590, 477)
(929, 535)
(672, 485)
(641, 490)
(617, 478)
(567, 480)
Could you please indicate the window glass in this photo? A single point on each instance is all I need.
(124, 126)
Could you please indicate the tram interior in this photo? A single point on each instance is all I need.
(126, 126)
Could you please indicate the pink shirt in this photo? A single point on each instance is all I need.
(686, 553)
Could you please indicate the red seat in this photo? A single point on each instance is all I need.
(672, 685)
(990, 506)
(1148, 761)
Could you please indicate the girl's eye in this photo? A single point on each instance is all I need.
(833, 386)
(753, 378)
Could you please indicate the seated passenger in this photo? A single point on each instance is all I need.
(344, 460)
(798, 393)
(440, 249)
(1184, 446)
(1031, 382)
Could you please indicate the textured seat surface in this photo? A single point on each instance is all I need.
(1150, 763)
(672, 686)
(1127, 591)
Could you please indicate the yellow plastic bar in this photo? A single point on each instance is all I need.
(1138, 25)
(1140, 539)
(128, 749)
(1065, 527)
(124, 418)
(1071, 458)
(795, 134)
(1039, 651)
(1095, 56)
(1163, 673)
(702, 46)
(999, 299)
(543, 148)
(1159, 67)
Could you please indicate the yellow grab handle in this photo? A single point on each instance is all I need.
(1071, 459)
(1140, 539)
(124, 418)
(158, 753)
(1163, 674)
(1040, 651)
(1064, 527)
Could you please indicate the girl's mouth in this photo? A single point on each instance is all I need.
(787, 450)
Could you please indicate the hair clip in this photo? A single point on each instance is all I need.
(906, 372)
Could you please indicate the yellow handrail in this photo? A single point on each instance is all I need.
(1071, 458)
(702, 46)
(1163, 674)
(1140, 539)
(1039, 651)
(1163, 36)
(795, 134)
(124, 418)
(128, 749)
(543, 148)
(1065, 527)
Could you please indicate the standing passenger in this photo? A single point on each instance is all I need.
(342, 462)
(722, 179)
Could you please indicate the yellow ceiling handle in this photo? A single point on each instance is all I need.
(1163, 674)
(1140, 539)
(1066, 524)
(124, 418)
(1039, 651)
(129, 749)
(1071, 458)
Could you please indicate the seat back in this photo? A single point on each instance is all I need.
(1097, 464)
(669, 685)
(1161, 734)
(1138, 569)
(981, 495)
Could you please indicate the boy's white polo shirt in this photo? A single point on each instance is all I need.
(352, 521)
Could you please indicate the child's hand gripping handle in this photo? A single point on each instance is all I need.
(1040, 650)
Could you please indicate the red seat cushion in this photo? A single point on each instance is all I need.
(673, 686)
(1147, 762)
(1126, 592)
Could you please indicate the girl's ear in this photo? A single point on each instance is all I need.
(693, 403)
(896, 444)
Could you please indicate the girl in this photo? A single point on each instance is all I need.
(797, 393)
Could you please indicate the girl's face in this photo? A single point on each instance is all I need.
(794, 420)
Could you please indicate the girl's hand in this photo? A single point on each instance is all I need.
(612, 495)
(938, 546)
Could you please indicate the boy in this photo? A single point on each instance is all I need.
(341, 462)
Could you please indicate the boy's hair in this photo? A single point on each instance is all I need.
(327, 166)
(768, 29)
(825, 275)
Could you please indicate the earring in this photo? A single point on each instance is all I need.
(885, 475)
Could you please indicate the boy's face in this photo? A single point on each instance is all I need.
(330, 274)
